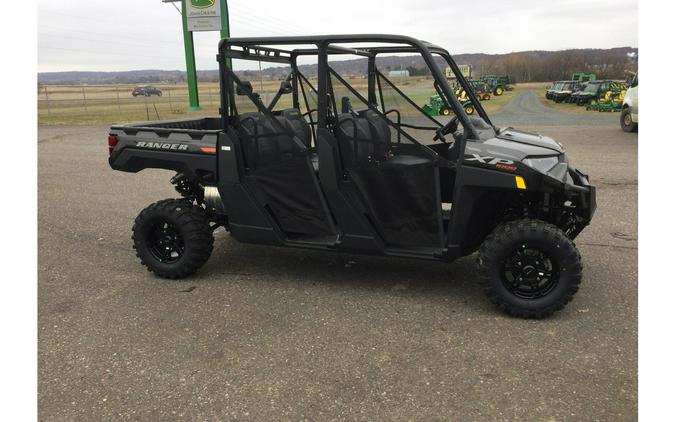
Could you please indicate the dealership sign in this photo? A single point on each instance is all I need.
(203, 15)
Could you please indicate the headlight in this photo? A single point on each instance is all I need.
(543, 164)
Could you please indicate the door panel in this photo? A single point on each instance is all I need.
(280, 175)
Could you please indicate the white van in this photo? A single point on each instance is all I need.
(629, 110)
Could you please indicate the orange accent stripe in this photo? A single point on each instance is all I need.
(208, 150)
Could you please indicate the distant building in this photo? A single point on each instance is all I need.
(399, 73)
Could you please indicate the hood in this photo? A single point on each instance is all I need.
(527, 138)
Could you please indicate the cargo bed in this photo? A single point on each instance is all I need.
(185, 146)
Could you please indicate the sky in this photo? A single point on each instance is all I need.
(116, 35)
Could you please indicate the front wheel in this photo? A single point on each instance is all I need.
(529, 268)
(172, 238)
(627, 121)
(444, 111)
(499, 90)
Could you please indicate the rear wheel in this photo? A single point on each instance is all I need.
(627, 121)
(529, 268)
(172, 238)
(469, 110)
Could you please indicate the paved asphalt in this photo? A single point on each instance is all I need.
(265, 334)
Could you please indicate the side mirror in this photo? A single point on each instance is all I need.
(245, 88)
(286, 87)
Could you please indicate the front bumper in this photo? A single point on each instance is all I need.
(585, 192)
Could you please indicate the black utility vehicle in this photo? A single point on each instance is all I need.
(146, 90)
(564, 90)
(326, 166)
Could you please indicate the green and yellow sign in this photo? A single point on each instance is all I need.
(203, 15)
(201, 4)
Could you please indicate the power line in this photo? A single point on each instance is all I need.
(97, 33)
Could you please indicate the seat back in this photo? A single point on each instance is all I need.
(298, 125)
(264, 142)
(362, 139)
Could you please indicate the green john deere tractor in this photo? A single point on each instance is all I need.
(497, 84)
(437, 107)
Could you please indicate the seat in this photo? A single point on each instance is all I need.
(356, 142)
(381, 133)
(263, 141)
(297, 123)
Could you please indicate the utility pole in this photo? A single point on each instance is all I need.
(190, 66)
(188, 42)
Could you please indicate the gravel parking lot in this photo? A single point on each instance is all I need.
(278, 334)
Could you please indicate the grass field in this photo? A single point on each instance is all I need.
(110, 104)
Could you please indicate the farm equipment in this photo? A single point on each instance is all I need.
(359, 179)
(591, 92)
(496, 85)
(565, 89)
(437, 107)
(583, 77)
(481, 89)
(612, 100)
(552, 89)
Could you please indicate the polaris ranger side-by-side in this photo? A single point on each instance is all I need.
(332, 166)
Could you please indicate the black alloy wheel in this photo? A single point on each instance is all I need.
(165, 242)
(529, 273)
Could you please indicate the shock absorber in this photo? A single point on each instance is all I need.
(187, 188)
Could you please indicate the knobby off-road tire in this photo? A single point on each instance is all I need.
(543, 251)
(172, 238)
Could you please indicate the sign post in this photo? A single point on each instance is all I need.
(200, 15)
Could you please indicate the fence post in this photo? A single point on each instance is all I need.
(119, 108)
(147, 112)
(170, 104)
(84, 98)
(210, 97)
(49, 111)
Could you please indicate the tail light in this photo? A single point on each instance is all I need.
(112, 142)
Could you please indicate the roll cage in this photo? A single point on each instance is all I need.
(267, 49)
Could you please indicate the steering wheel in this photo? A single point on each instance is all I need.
(449, 127)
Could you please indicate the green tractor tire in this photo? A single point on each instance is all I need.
(444, 111)
(469, 109)
(499, 91)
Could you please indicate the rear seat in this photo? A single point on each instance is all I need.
(264, 142)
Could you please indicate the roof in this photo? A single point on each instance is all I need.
(403, 42)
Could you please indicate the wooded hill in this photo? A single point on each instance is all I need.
(524, 66)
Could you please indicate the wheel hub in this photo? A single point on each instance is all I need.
(165, 243)
(529, 273)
